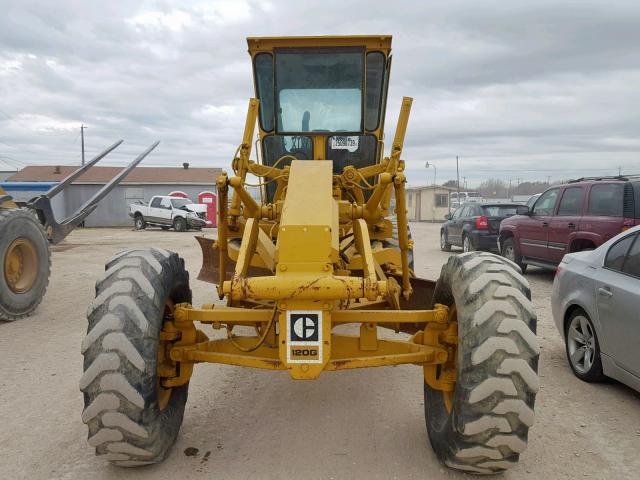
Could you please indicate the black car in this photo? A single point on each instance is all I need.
(475, 226)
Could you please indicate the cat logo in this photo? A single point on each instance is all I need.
(304, 336)
(304, 327)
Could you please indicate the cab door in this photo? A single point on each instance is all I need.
(565, 222)
(165, 211)
(534, 230)
(618, 296)
(155, 210)
(455, 228)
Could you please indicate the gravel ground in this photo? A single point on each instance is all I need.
(251, 424)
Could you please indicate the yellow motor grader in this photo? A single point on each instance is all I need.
(28, 228)
(324, 247)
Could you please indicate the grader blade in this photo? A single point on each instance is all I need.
(210, 269)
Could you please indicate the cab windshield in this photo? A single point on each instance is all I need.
(320, 90)
(180, 202)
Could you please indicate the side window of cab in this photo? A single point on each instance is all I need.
(546, 204)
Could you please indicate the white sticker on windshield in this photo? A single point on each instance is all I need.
(345, 143)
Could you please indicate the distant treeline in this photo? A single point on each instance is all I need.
(497, 188)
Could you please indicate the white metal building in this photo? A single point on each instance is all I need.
(428, 204)
(140, 185)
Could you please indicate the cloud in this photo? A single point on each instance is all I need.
(515, 89)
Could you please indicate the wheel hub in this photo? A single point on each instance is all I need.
(443, 376)
(21, 265)
(165, 366)
(508, 252)
(581, 344)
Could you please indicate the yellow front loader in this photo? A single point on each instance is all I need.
(28, 228)
(328, 244)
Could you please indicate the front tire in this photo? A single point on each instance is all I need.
(486, 425)
(132, 419)
(179, 224)
(467, 244)
(510, 252)
(583, 348)
(445, 246)
(25, 263)
(139, 223)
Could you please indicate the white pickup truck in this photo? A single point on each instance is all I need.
(169, 212)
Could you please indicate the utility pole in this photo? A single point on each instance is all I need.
(82, 127)
(619, 171)
(458, 179)
(548, 179)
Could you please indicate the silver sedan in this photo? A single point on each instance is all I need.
(596, 307)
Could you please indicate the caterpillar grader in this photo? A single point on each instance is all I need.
(28, 228)
(323, 247)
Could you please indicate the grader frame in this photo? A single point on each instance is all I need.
(310, 268)
(320, 250)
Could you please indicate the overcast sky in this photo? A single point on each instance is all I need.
(516, 89)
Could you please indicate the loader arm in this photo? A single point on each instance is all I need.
(41, 205)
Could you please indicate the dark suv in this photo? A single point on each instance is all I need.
(475, 226)
(580, 215)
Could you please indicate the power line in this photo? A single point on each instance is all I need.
(2, 155)
(17, 164)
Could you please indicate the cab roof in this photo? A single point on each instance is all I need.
(370, 42)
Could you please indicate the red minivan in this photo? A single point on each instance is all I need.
(580, 215)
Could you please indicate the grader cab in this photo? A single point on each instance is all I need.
(323, 248)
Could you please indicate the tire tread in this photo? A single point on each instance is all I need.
(125, 424)
(497, 364)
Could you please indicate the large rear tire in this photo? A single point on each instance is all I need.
(132, 420)
(487, 425)
(25, 263)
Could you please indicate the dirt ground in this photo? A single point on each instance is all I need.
(251, 424)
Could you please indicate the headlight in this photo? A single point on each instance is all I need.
(192, 215)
